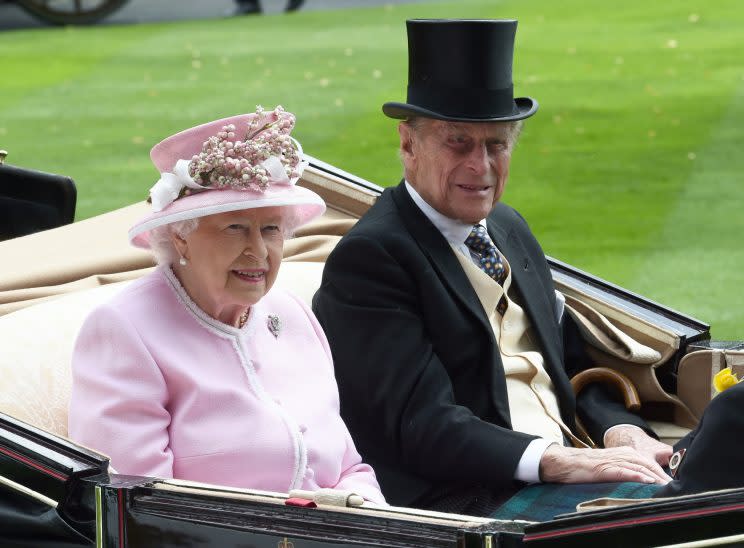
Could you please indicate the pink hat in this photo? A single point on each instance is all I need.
(243, 162)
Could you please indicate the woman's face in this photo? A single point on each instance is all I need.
(232, 260)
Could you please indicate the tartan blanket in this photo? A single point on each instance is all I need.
(545, 501)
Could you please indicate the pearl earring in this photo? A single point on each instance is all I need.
(182, 261)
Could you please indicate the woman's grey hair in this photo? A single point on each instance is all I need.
(161, 240)
(290, 221)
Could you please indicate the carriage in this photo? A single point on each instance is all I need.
(57, 493)
(69, 12)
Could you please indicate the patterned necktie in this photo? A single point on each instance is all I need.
(490, 261)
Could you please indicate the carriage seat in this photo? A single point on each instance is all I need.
(37, 344)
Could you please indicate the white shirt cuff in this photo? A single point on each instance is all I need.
(604, 436)
(528, 469)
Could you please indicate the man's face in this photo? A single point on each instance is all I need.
(459, 168)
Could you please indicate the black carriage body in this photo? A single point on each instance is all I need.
(142, 512)
(47, 486)
(707, 519)
(85, 506)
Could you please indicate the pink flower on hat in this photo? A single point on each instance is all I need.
(264, 155)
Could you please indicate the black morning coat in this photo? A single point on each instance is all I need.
(419, 372)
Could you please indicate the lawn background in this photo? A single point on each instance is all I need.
(630, 170)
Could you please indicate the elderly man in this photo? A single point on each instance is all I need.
(451, 350)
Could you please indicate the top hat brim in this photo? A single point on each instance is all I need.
(524, 107)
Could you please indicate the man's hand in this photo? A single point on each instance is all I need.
(635, 437)
(568, 465)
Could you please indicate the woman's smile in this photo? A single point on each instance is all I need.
(251, 276)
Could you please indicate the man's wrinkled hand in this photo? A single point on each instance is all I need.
(617, 464)
(635, 437)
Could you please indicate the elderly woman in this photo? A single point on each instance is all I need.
(200, 370)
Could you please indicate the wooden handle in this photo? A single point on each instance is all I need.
(608, 376)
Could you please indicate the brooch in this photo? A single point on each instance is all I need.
(274, 324)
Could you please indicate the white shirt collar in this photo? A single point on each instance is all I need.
(454, 231)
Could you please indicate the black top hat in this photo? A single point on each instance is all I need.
(461, 70)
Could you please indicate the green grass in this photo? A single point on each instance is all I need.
(630, 170)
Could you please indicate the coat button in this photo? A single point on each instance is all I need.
(309, 473)
(303, 428)
(277, 401)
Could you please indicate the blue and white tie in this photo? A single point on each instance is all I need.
(490, 261)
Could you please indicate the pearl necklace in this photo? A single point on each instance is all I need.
(243, 318)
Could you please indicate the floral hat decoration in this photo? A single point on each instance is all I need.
(243, 162)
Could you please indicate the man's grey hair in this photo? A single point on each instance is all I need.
(515, 127)
(161, 240)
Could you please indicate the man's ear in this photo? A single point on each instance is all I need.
(405, 132)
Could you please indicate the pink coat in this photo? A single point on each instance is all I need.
(167, 391)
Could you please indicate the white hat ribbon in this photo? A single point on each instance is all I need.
(169, 186)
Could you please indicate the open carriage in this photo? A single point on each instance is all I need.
(56, 493)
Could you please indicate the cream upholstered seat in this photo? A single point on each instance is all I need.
(37, 344)
(35, 359)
